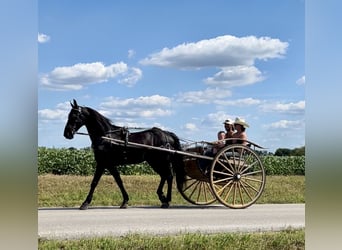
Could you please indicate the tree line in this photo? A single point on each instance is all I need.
(290, 152)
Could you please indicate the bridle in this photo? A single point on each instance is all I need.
(79, 111)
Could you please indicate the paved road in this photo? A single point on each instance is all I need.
(71, 223)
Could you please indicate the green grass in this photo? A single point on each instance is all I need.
(288, 239)
(70, 191)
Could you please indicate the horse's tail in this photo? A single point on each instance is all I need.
(177, 162)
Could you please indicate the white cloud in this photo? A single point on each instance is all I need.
(245, 102)
(60, 113)
(42, 38)
(215, 96)
(301, 81)
(132, 76)
(235, 76)
(154, 100)
(131, 53)
(222, 51)
(144, 106)
(215, 119)
(286, 124)
(190, 127)
(234, 56)
(206, 96)
(125, 109)
(50, 114)
(288, 108)
(76, 76)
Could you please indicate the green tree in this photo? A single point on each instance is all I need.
(282, 152)
(298, 151)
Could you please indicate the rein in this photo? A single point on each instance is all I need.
(113, 131)
(80, 133)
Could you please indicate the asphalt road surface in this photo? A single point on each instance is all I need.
(71, 223)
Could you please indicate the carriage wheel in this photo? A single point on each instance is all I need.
(237, 176)
(197, 192)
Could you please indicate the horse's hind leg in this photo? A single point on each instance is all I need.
(160, 193)
(95, 181)
(169, 187)
(165, 200)
(115, 173)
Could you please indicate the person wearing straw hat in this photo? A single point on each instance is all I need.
(240, 136)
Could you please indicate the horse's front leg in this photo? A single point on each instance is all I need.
(115, 173)
(97, 176)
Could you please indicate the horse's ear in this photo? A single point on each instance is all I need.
(74, 105)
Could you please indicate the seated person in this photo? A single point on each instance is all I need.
(240, 136)
(212, 151)
(221, 135)
(230, 130)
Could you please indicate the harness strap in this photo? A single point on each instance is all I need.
(126, 137)
(125, 133)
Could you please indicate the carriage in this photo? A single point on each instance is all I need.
(233, 176)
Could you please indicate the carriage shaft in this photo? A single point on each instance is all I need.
(124, 143)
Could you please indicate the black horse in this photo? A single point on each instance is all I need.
(109, 155)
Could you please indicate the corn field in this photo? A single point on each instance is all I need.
(81, 162)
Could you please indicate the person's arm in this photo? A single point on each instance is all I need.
(244, 138)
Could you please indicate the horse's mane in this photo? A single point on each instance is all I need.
(105, 122)
(176, 140)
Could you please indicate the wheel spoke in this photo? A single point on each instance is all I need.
(249, 185)
(202, 191)
(240, 160)
(195, 188)
(242, 201)
(207, 190)
(223, 173)
(234, 198)
(223, 180)
(220, 189)
(249, 166)
(189, 186)
(246, 190)
(251, 179)
(228, 193)
(224, 166)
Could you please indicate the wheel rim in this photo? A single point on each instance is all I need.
(237, 176)
(197, 192)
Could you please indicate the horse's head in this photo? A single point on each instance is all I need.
(76, 119)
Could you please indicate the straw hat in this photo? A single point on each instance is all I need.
(228, 121)
(242, 122)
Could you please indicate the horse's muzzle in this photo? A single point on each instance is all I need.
(69, 133)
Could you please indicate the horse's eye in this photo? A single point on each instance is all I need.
(73, 116)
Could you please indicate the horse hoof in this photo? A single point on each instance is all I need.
(84, 206)
(165, 205)
(124, 205)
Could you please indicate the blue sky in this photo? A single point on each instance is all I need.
(184, 66)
